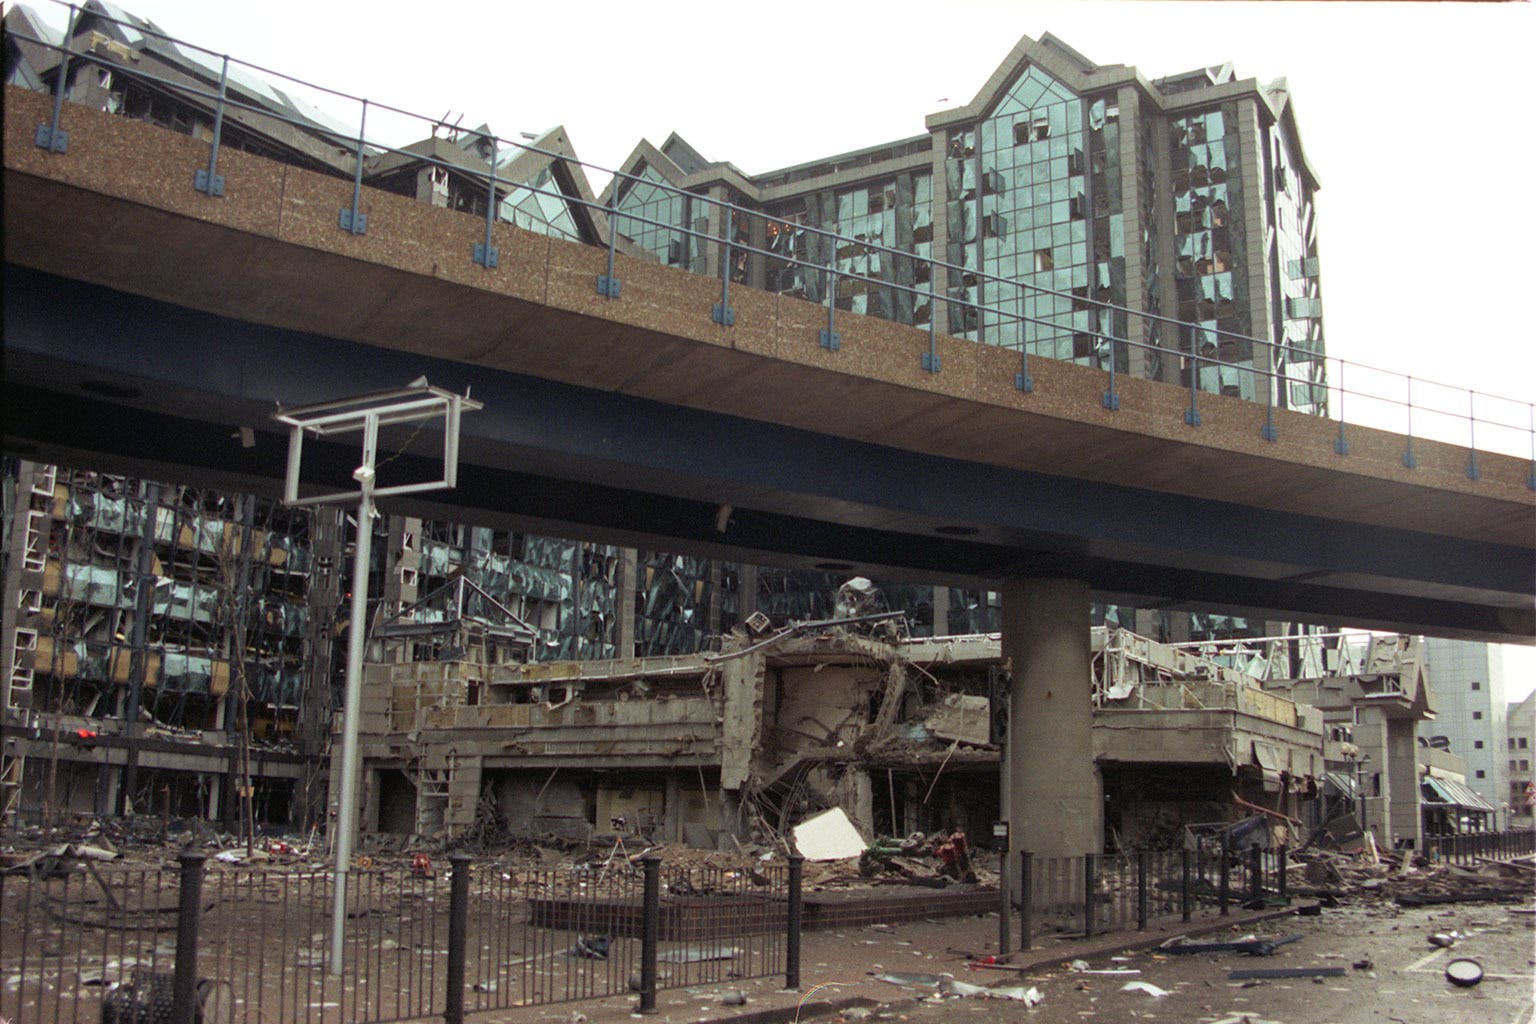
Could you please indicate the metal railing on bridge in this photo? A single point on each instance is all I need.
(1206, 359)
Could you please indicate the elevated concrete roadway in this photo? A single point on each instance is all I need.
(146, 322)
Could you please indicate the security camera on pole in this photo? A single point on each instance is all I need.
(417, 403)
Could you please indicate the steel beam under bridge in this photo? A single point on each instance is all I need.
(97, 377)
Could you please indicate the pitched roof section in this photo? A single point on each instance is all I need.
(1053, 56)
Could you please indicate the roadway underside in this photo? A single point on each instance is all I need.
(101, 378)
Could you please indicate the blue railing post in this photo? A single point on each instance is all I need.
(931, 357)
(1530, 481)
(354, 220)
(723, 314)
(1271, 385)
(1022, 380)
(1341, 444)
(1473, 472)
(830, 339)
(485, 254)
(608, 284)
(1111, 398)
(1409, 459)
(50, 136)
(1192, 414)
(210, 180)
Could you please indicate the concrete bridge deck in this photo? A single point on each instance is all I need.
(145, 321)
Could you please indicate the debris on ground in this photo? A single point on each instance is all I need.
(1144, 986)
(1250, 944)
(1266, 973)
(1464, 973)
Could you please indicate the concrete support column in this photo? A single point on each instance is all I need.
(625, 601)
(1403, 816)
(1055, 801)
(1370, 733)
(672, 811)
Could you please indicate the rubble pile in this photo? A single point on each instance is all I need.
(1408, 880)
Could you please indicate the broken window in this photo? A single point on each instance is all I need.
(1044, 260)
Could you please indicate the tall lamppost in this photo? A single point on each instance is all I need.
(417, 403)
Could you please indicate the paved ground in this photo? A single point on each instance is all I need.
(1405, 983)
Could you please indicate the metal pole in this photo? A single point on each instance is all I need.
(50, 136)
(1282, 885)
(1021, 380)
(1410, 460)
(723, 314)
(829, 338)
(1141, 891)
(1255, 873)
(1224, 879)
(1192, 414)
(1341, 445)
(1185, 894)
(346, 824)
(354, 220)
(458, 929)
(209, 180)
(1026, 898)
(184, 990)
(1473, 472)
(796, 912)
(1090, 887)
(1004, 926)
(650, 932)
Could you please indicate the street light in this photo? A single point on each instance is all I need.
(417, 403)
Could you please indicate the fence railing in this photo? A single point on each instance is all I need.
(1469, 848)
(1195, 355)
(84, 942)
(1094, 894)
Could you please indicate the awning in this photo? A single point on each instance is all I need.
(1448, 791)
(1341, 784)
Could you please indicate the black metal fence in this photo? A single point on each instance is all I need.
(85, 942)
(1092, 894)
(1469, 848)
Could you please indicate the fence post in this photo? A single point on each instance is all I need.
(1026, 898)
(458, 928)
(650, 932)
(1090, 887)
(184, 992)
(1255, 873)
(1282, 885)
(1004, 924)
(1141, 891)
(1224, 879)
(796, 910)
(1185, 895)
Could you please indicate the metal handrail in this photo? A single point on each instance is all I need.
(1010, 292)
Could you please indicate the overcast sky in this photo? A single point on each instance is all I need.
(1416, 118)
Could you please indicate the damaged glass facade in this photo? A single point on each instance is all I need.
(1292, 217)
(892, 213)
(1210, 273)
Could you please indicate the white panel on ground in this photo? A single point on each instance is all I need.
(828, 836)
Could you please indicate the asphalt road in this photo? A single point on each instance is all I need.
(1405, 982)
